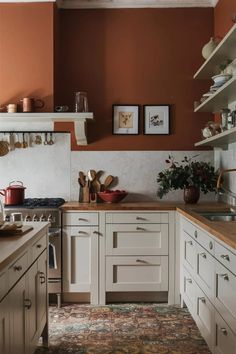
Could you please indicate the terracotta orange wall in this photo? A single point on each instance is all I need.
(224, 12)
(26, 52)
(135, 56)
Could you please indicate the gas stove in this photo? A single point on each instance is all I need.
(37, 209)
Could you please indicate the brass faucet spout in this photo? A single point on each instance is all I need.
(219, 180)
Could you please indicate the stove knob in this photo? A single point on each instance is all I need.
(50, 218)
(7, 218)
(27, 218)
(42, 217)
(35, 217)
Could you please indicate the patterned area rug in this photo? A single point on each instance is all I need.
(123, 328)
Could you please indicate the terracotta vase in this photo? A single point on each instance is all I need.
(191, 195)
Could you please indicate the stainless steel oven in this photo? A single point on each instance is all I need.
(45, 209)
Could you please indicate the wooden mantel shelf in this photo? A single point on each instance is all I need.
(45, 121)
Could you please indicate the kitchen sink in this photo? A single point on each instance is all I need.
(218, 215)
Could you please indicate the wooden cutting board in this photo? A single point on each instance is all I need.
(18, 232)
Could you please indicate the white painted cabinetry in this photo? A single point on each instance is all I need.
(208, 286)
(80, 253)
(23, 309)
(117, 251)
(137, 251)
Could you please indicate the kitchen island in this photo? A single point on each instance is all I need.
(23, 290)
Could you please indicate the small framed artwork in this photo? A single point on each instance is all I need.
(125, 119)
(157, 119)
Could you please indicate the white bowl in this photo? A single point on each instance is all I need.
(221, 79)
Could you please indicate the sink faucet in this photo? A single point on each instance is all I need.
(219, 185)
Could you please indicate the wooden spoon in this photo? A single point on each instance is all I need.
(82, 178)
(108, 181)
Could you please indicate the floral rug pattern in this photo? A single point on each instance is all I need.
(123, 328)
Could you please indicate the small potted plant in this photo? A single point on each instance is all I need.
(192, 176)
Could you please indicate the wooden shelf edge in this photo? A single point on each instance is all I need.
(219, 140)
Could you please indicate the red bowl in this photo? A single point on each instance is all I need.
(114, 197)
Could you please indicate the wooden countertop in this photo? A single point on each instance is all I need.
(223, 230)
(120, 206)
(12, 246)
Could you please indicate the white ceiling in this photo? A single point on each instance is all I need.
(89, 4)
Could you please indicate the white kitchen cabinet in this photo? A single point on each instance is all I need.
(4, 327)
(24, 305)
(137, 273)
(131, 251)
(139, 252)
(80, 253)
(208, 286)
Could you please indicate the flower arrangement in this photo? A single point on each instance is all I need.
(190, 173)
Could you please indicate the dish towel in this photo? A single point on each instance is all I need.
(52, 257)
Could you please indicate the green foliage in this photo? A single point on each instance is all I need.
(190, 173)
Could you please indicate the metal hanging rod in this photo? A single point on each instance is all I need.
(33, 131)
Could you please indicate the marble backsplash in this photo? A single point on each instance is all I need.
(52, 171)
(136, 170)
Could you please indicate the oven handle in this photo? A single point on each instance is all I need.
(54, 233)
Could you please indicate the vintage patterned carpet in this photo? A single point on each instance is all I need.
(123, 328)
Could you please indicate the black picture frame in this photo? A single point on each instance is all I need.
(125, 119)
(156, 119)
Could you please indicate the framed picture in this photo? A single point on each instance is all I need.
(157, 119)
(125, 119)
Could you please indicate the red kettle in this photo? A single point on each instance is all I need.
(14, 194)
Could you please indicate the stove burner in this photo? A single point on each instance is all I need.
(32, 203)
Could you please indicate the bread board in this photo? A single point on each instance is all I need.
(17, 232)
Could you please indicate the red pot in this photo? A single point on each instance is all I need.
(14, 194)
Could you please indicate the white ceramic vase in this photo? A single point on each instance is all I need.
(209, 48)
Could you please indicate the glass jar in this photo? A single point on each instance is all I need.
(81, 102)
(224, 118)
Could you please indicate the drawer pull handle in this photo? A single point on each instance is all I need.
(18, 268)
(210, 245)
(203, 300)
(39, 245)
(195, 233)
(42, 278)
(82, 219)
(140, 218)
(203, 255)
(141, 261)
(224, 331)
(189, 280)
(97, 233)
(224, 276)
(225, 256)
(140, 228)
(82, 233)
(190, 242)
(27, 304)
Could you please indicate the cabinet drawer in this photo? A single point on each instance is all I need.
(199, 235)
(131, 239)
(17, 269)
(138, 273)
(188, 290)
(225, 339)
(137, 217)
(83, 219)
(38, 247)
(226, 257)
(225, 294)
(204, 271)
(204, 316)
(188, 251)
(3, 284)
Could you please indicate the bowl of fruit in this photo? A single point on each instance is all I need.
(112, 196)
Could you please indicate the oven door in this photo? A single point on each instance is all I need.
(54, 260)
